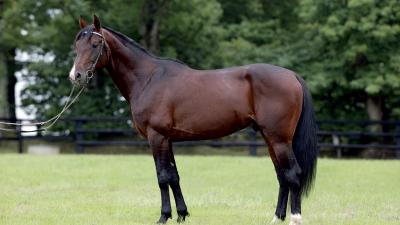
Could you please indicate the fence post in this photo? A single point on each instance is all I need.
(253, 142)
(78, 136)
(20, 139)
(336, 142)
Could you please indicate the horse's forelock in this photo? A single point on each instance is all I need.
(83, 32)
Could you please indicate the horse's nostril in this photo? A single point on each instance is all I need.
(78, 76)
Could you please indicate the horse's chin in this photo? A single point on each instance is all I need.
(79, 84)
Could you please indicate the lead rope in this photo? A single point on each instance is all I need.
(50, 121)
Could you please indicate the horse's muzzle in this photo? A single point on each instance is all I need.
(81, 79)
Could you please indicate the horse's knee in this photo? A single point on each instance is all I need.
(287, 168)
(174, 178)
(163, 179)
(289, 177)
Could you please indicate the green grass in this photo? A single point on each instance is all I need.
(91, 189)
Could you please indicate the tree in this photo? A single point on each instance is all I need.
(354, 56)
(261, 32)
(3, 87)
(151, 16)
(190, 31)
(8, 66)
(3, 71)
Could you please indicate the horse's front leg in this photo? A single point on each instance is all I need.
(176, 189)
(161, 147)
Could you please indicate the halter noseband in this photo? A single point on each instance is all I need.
(91, 71)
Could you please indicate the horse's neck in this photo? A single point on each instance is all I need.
(129, 69)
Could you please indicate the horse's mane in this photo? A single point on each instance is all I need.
(131, 43)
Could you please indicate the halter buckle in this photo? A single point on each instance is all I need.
(89, 74)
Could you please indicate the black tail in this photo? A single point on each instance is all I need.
(305, 142)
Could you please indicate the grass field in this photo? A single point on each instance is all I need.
(92, 189)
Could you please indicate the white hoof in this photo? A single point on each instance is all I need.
(275, 220)
(295, 219)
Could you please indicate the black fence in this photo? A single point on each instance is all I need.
(336, 137)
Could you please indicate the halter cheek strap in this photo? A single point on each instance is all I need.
(91, 71)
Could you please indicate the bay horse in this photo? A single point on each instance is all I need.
(172, 102)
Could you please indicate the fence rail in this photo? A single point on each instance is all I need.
(334, 135)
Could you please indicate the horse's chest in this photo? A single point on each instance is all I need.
(140, 121)
(158, 117)
(144, 117)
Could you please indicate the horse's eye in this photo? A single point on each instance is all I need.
(94, 46)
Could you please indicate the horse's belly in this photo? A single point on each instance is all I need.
(207, 106)
(202, 133)
(212, 119)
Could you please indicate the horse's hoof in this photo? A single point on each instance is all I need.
(182, 216)
(164, 218)
(180, 219)
(295, 219)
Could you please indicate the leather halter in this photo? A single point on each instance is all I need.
(91, 71)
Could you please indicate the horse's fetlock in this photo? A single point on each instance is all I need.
(167, 213)
(174, 179)
(182, 212)
(281, 216)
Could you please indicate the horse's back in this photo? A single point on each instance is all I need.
(268, 75)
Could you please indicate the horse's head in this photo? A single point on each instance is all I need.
(91, 52)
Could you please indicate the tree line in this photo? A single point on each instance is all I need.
(348, 51)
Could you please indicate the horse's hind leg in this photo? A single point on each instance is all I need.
(280, 212)
(277, 127)
(291, 174)
(288, 173)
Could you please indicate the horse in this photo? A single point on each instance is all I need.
(172, 102)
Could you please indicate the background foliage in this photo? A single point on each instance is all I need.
(348, 50)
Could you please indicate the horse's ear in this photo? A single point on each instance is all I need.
(82, 22)
(96, 23)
